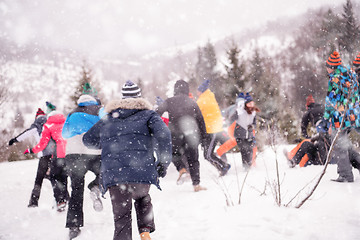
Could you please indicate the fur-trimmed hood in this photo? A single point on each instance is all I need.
(128, 103)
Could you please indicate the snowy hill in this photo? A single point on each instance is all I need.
(333, 212)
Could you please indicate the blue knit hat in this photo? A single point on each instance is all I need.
(248, 98)
(241, 95)
(204, 86)
(130, 90)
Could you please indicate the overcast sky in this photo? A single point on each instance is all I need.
(127, 27)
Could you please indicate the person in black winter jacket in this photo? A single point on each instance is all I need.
(45, 156)
(127, 136)
(311, 117)
(187, 128)
(311, 151)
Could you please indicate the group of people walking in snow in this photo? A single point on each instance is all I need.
(129, 144)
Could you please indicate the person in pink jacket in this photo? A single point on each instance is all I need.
(52, 129)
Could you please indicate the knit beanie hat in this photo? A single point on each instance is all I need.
(50, 107)
(181, 87)
(356, 62)
(39, 112)
(241, 95)
(248, 98)
(86, 100)
(130, 90)
(334, 60)
(87, 89)
(309, 100)
(204, 86)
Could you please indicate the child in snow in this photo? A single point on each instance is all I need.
(342, 107)
(52, 130)
(79, 160)
(214, 127)
(187, 129)
(45, 156)
(128, 168)
(314, 113)
(245, 127)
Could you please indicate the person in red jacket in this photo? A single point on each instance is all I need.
(52, 129)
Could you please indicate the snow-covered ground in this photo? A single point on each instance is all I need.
(333, 212)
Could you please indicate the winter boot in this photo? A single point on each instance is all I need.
(198, 188)
(32, 204)
(290, 162)
(74, 232)
(343, 179)
(182, 176)
(145, 236)
(34, 199)
(61, 206)
(225, 170)
(95, 197)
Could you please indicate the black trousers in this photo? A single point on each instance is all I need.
(246, 150)
(43, 166)
(77, 166)
(121, 198)
(209, 144)
(183, 148)
(58, 178)
(311, 150)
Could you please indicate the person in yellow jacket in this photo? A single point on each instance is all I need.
(214, 127)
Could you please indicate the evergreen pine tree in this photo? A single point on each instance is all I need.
(235, 79)
(86, 85)
(205, 67)
(327, 37)
(349, 40)
(265, 84)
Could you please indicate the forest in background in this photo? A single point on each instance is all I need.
(279, 79)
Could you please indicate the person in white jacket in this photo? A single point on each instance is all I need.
(34, 131)
(244, 129)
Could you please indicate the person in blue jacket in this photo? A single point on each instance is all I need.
(127, 136)
(80, 159)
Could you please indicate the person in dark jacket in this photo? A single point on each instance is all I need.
(187, 128)
(311, 117)
(311, 151)
(80, 159)
(44, 157)
(128, 166)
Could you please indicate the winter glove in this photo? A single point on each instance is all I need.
(161, 170)
(29, 150)
(12, 141)
(322, 126)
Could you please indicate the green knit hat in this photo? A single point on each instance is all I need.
(50, 107)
